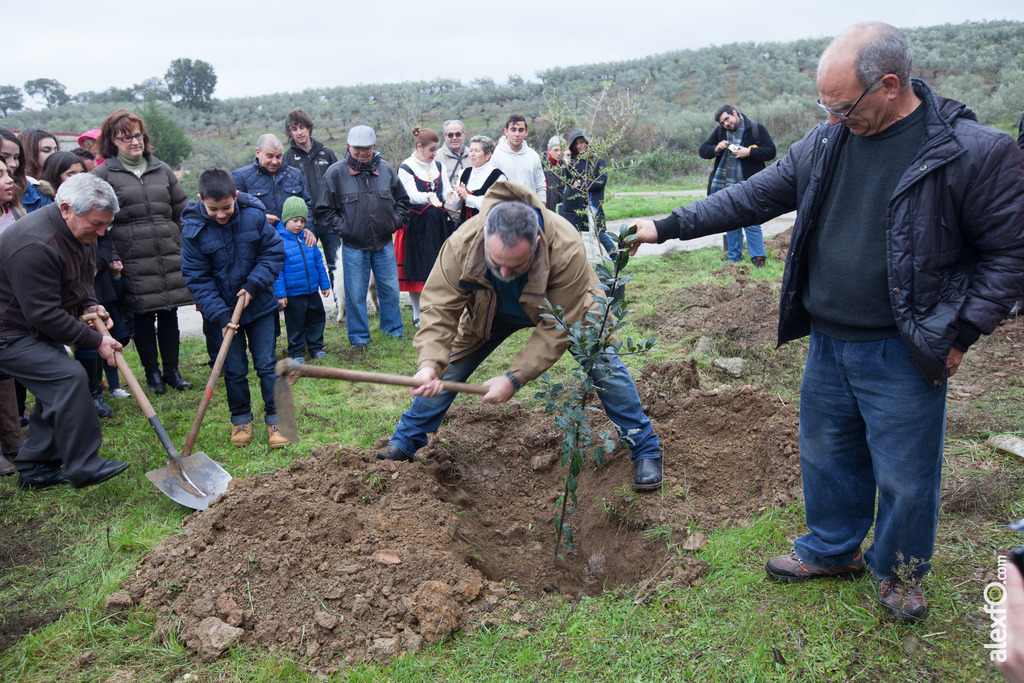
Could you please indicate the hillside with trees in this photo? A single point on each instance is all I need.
(674, 95)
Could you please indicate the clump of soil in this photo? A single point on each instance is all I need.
(746, 310)
(341, 557)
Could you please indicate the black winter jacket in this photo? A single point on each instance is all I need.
(755, 136)
(146, 234)
(218, 260)
(955, 238)
(590, 174)
(365, 209)
(313, 164)
(272, 190)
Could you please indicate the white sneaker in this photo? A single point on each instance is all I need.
(120, 393)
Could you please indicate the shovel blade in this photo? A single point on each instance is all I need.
(284, 406)
(211, 479)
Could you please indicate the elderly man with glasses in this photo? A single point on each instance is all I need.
(908, 246)
(454, 156)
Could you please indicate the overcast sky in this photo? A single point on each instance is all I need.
(258, 48)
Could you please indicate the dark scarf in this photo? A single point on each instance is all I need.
(359, 166)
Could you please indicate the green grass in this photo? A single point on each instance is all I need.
(675, 185)
(80, 545)
(630, 206)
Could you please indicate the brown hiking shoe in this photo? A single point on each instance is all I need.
(791, 569)
(241, 435)
(902, 602)
(759, 261)
(275, 439)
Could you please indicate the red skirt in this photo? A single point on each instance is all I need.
(404, 284)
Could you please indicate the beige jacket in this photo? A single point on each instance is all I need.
(459, 302)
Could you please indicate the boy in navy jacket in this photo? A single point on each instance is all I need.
(297, 285)
(229, 250)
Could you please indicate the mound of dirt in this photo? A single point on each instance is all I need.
(745, 310)
(342, 558)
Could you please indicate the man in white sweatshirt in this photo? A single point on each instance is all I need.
(516, 160)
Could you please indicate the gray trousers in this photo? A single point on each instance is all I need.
(64, 429)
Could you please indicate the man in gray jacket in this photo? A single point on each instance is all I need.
(908, 245)
(362, 199)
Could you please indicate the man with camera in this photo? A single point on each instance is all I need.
(740, 147)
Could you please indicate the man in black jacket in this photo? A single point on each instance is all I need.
(47, 261)
(740, 147)
(362, 199)
(907, 247)
(313, 158)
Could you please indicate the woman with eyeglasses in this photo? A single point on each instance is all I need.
(479, 177)
(146, 236)
(417, 245)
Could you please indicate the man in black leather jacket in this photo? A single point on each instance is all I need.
(362, 199)
(908, 245)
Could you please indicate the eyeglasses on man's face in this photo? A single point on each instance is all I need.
(837, 110)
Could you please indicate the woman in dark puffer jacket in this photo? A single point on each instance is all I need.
(146, 233)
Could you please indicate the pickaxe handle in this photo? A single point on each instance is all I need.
(290, 370)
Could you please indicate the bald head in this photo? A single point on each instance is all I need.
(269, 152)
(864, 78)
(268, 141)
(872, 50)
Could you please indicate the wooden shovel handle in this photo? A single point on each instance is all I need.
(100, 326)
(289, 369)
(218, 365)
(122, 365)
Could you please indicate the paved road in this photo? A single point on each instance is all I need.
(772, 227)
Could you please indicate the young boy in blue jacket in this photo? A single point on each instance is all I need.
(296, 287)
(229, 250)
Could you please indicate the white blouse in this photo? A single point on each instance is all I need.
(477, 176)
(427, 172)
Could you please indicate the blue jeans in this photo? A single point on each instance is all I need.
(755, 243)
(869, 422)
(619, 398)
(258, 335)
(357, 265)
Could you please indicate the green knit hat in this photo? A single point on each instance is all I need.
(294, 207)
